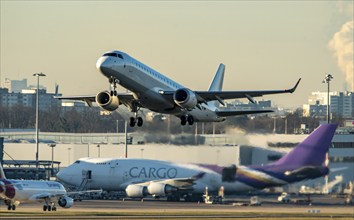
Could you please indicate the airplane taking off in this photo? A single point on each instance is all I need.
(142, 177)
(156, 92)
(15, 191)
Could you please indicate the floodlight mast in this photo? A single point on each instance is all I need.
(37, 143)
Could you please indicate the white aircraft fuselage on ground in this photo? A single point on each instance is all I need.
(141, 177)
(156, 92)
(13, 192)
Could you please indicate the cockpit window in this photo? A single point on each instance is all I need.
(78, 161)
(113, 55)
(110, 55)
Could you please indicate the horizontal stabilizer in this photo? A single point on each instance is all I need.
(231, 113)
(306, 171)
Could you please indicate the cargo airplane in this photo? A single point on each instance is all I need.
(143, 177)
(156, 92)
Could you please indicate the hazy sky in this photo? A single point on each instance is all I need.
(264, 44)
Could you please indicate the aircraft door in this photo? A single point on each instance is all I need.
(112, 168)
(129, 65)
(87, 174)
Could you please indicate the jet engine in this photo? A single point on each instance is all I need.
(160, 189)
(185, 98)
(106, 101)
(65, 202)
(136, 191)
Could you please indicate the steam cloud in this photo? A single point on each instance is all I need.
(342, 45)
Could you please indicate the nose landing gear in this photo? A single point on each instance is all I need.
(113, 81)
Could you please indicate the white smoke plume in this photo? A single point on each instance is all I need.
(342, 45)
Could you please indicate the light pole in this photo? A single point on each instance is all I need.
(126, 138)
(99, 151)
(327, 80)
(88, 149)
(117, 126)
(37, 143)
(52, 146)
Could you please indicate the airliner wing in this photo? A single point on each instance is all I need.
(221, 95)
(88, 98)
(84, 192)
(40, 196)
(231, 113)
(124, 98)
(180, 183)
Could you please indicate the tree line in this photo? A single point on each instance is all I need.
(89, 120)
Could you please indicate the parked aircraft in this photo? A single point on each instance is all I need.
(15, 191)
(142, 177)
(156, 92)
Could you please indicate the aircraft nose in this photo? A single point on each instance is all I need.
(64, 176)
(103, 64)
(60, 175)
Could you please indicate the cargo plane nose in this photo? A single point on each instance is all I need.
(68, 176)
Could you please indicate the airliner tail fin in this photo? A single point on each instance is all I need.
(312, 151)
(216, 84)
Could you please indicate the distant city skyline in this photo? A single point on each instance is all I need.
(264, 45)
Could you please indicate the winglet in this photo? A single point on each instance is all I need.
(56, 89)
(294, 88)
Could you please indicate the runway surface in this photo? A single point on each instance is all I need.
(321, 208)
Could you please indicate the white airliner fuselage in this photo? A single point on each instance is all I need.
(156, 92)
(147, 86)
(13, 192)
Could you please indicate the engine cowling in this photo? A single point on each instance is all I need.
(161, 189)
(136, 191)
(106, 101)
(65, 202)
(185, 98)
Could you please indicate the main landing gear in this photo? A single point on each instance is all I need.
(137, 119)
(49, 208)
(187, 118)
(11, 207)
(49, 205)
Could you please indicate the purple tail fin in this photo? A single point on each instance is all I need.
(312, 151)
